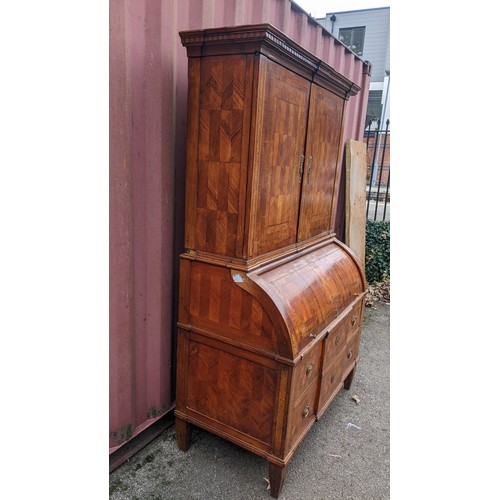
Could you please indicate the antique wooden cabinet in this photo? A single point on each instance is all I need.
(271, 302)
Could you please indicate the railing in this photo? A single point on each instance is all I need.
(378, 194)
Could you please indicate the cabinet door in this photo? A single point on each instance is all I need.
(281, 119)
(321, 166)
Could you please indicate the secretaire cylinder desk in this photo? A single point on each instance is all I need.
(271, 303)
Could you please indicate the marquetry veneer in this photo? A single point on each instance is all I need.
(271, 303)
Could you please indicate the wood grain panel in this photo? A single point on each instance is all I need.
(234, 391)
(218, 305)
(221, 141)
(182, 363)
(321, 162)
(280, 141)
(282, 402)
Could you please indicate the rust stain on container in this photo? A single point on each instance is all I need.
(147, 116)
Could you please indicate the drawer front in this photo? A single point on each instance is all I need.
(354, 319)
(351, 351)
(337, 337)
(335, 342)
(306, 371)
(331, 381)
(302, 414)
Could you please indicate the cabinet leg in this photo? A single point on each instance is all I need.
(183, 431)
(349, 379)
(277, 474)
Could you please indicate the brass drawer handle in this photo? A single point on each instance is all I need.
(353, 320)
(349, 355)
(337, 339)
(305, 412)
(309, 369)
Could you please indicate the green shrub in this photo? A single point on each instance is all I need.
(377, 257)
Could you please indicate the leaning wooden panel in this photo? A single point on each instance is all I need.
(355, 200)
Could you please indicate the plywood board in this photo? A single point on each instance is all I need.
(355, 223)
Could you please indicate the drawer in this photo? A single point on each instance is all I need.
(302, 414)
(335, 342)
(331, 381)
(351, 351)
(337, 337)
(355, 318)
(306, 371)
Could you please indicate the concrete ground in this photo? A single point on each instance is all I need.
(344, 456)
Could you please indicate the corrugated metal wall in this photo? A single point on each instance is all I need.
(148, 93)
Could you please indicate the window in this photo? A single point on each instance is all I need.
(354, 38)
(374, 108)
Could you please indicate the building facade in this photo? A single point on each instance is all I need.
(367, 33)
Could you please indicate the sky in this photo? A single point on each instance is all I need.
(318, 8)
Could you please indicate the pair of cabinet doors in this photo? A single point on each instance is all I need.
(264, 169)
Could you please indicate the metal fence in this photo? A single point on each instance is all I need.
(378, 193)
